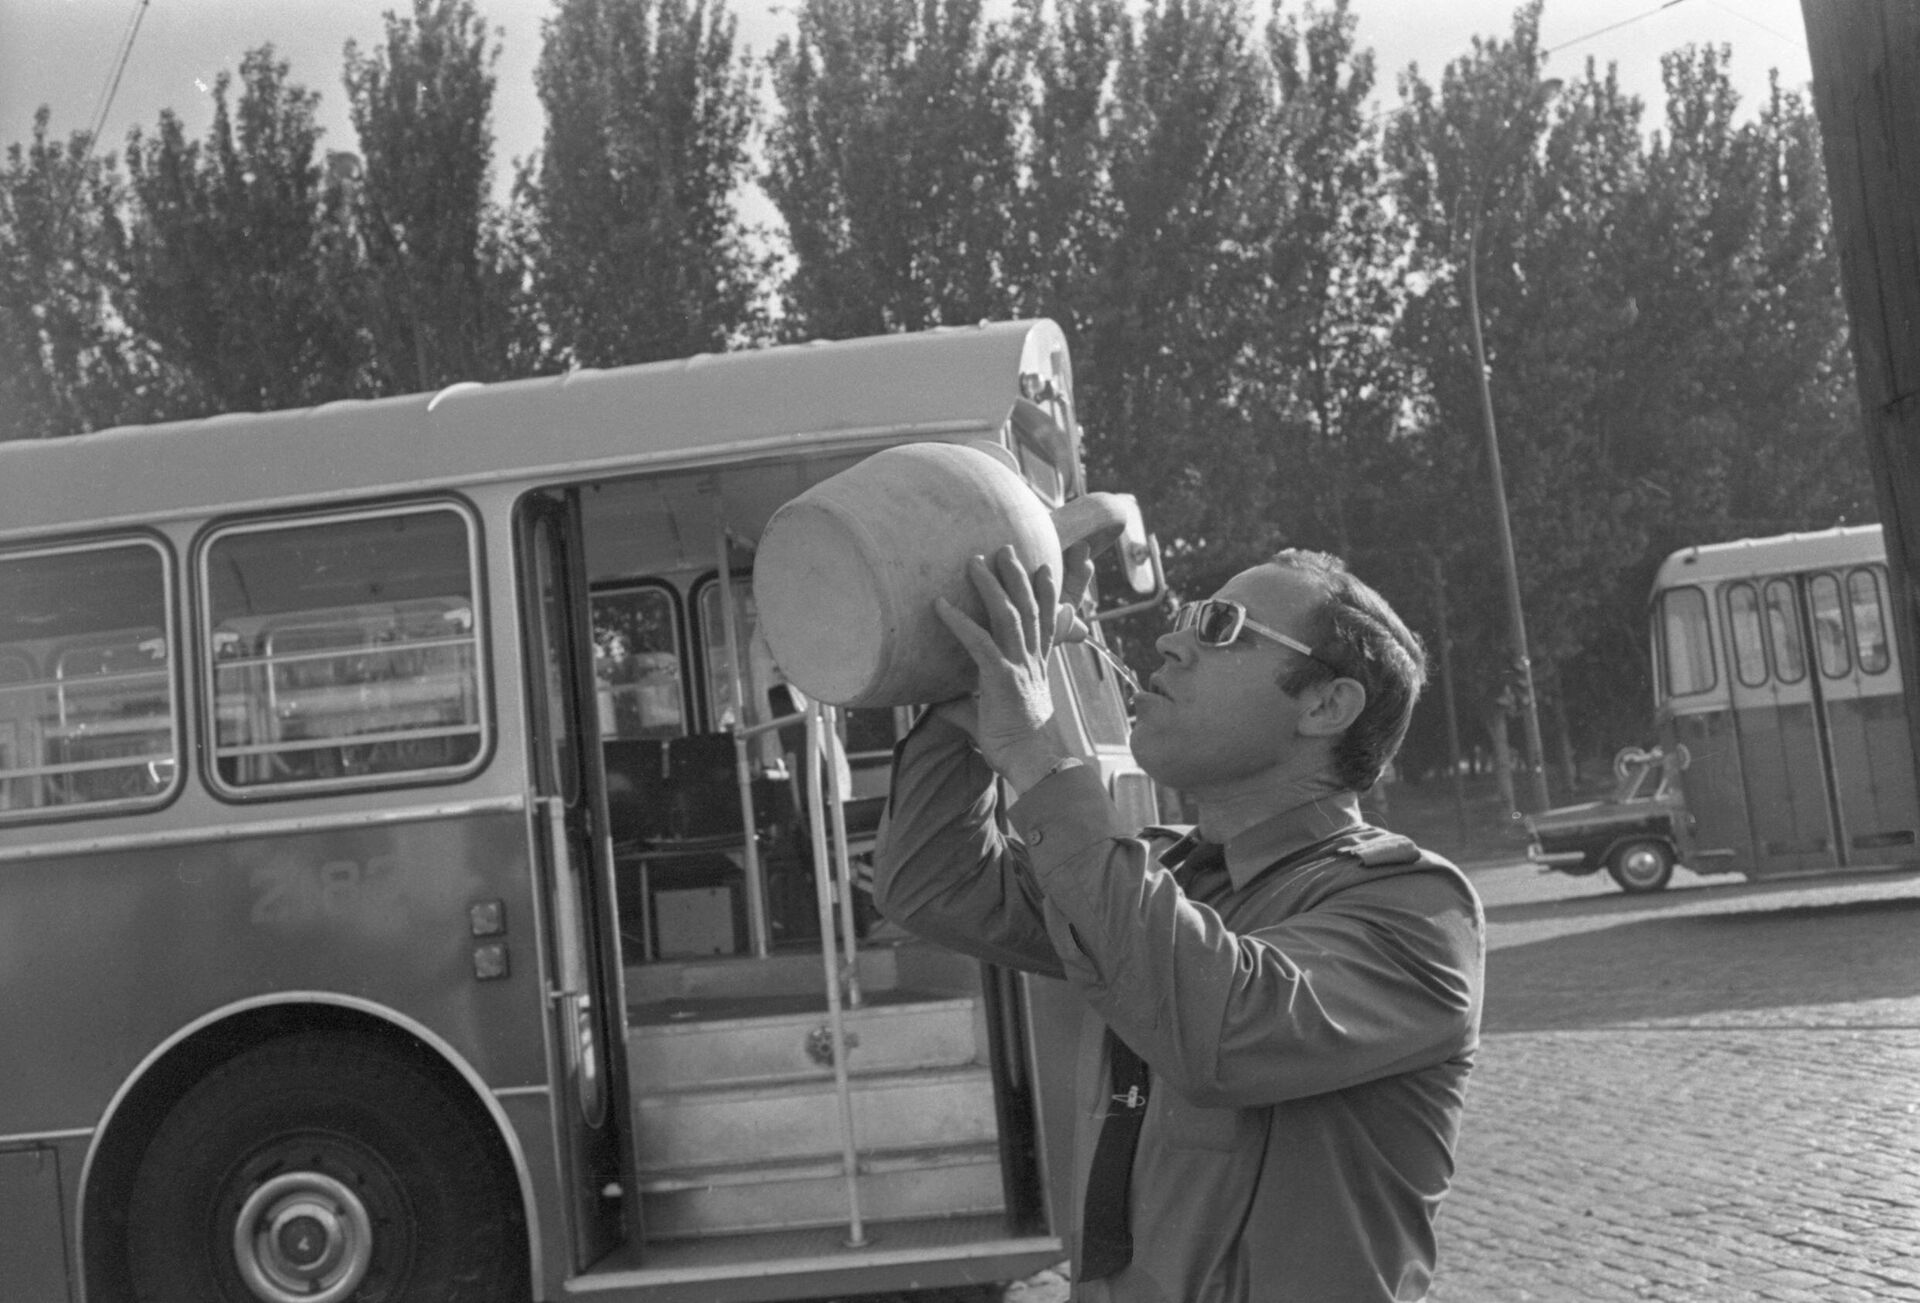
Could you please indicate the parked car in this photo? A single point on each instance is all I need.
(1633, 834)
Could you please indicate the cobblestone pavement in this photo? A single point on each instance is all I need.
(1708, 1094)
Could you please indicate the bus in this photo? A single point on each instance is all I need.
(416, 879)
(1781, 710)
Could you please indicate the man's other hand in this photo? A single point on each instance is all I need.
(1015, 716)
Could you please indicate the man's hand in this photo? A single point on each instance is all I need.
(1013, 726)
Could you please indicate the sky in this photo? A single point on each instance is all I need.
(62, 53)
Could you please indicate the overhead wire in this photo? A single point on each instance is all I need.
(1613, 27)
(112, 88)
(107, 95)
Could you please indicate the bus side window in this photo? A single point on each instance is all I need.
(1829, 627)
(636, 663)
(1689, 648)
(1869, 621)
(1743, 631)
(88, 715)
(345, 651)
(1783, 628)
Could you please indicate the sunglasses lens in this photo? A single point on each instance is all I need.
(1217, 623)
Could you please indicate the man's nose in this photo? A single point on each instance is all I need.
(1176, 645)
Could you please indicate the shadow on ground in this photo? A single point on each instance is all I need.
(1622, 961)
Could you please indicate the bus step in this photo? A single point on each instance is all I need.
(735, 976)
(956, 1180)
(784, 1121)
(685, 1044)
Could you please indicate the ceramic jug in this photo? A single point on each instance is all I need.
(845, 574)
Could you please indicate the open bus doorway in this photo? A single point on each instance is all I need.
(799, 1087)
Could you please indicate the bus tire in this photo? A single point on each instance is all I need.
(1641, 866)
(319, 1168)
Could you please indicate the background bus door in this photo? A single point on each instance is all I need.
(1784, 749)
(583, 980)
(1862, 716)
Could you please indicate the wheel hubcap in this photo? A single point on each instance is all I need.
(1642, 865)
(303, 1237)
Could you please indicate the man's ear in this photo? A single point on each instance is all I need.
(1336, 704)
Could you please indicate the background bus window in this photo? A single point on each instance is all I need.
(1744, 633)
(344, 651)
(636, 664)
(1783, 629)
(1829, 627)
(1689, 648)
(1869, 621)
(87, 708)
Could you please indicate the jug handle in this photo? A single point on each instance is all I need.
(1099, 520)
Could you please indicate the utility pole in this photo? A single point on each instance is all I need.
(1522, 665)
(1866, 92)
(1446, 695)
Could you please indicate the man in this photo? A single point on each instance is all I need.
(1293, 998)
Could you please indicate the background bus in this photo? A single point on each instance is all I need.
(1781, 710)
(413, 869)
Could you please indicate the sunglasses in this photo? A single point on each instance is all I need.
(1217, 622)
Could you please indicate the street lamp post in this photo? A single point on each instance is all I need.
(1516, 615)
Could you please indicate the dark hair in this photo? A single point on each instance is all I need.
(1357, 636)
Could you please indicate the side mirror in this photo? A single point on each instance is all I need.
(1138, 558)
(1139, 553)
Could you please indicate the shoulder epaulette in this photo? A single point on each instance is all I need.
(1380, 849)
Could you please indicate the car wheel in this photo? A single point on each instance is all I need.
(319, 1168)
(1641, 866)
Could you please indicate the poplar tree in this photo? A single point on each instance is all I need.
(893, 161)
(66, 365)
(439, 294)
(638, 247)
(237, 258)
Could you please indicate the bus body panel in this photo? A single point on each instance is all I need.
(376, 912)
(32, 1260)
(1877, 783)
(1716, 828)
(1786, 793)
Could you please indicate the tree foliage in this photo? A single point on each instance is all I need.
(892, 159)
(65, 364)
(235, 265)
(638, 249)
(440, 290)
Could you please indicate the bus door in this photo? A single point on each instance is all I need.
(1862, 714)
(582, 979)
(1781, 729)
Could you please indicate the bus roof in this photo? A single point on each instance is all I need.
(1780, 554)
(945, 383)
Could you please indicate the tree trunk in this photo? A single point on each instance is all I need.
(1502, 757)
(1569, 762)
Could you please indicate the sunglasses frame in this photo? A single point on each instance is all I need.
(1188, 617)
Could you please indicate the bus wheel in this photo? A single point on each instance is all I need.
(1641, 866)
(318, 1168)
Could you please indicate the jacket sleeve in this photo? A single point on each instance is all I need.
(943, 867)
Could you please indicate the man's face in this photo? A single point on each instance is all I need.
(1213, 717)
